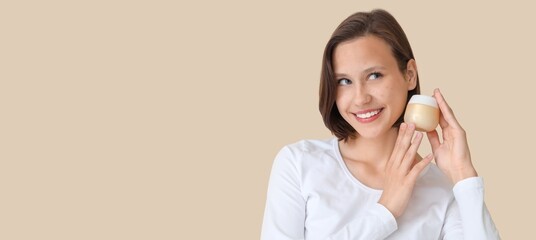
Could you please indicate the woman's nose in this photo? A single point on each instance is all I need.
(362, 95)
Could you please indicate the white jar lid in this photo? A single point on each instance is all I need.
(423, 99)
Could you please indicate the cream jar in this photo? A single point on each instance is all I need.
(422, 111)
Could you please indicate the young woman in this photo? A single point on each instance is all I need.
(368, 182)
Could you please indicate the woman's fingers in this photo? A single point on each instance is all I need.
(433, 138)
(409, 157)
(401, 132)
(447, 117)
(398, 185)
(417, 169)
(403, 145)
(442, 121)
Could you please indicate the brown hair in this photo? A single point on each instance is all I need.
(379, 23)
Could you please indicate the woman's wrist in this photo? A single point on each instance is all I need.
(462, 174)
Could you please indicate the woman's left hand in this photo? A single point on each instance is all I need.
(452, 155)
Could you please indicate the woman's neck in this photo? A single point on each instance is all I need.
(374, 152)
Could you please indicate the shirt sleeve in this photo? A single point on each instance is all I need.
(468, 216)
(285, 211)
(284, 214)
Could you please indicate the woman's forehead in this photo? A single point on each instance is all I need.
(363, 52)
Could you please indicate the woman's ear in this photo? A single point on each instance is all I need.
(411, 74)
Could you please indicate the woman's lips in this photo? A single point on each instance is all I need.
(368, 115)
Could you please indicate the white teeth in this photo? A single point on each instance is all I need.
(367, 115)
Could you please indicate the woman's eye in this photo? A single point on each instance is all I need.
(344, 81)
(375, 75)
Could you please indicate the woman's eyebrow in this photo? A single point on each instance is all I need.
(370, 69)
(339, 75)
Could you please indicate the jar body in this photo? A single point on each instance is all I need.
(424, 115)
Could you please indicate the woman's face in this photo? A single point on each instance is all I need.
(371, 90)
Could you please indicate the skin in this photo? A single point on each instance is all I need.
(384, 157)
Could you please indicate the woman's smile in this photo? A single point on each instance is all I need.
(369, 115)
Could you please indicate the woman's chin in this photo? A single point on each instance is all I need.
(375, 133)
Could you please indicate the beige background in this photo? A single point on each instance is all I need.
(160, 120)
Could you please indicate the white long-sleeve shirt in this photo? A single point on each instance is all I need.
(313, 195)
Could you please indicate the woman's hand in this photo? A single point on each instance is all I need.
(401, 172)
(452, 154)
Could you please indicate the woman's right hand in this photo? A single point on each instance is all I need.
(401, 174)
